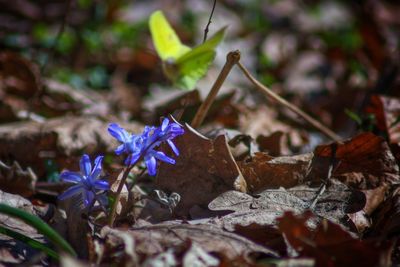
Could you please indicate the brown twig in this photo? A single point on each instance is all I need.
(112, 215)
(231, 59)
(206, 30)
(323, 129)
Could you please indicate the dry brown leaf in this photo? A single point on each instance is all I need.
(365, 161)
(272, 144)
(13, 179)
(334, 204)
(18, 75)
(152, 240)
(329, 244)
(263, 171)
(204, 169)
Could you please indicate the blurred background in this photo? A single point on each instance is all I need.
(327, 57)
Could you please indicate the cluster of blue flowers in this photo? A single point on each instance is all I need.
(137, 147)
(143, 145)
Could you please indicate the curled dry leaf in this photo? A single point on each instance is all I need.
(266, 207)
(365, 161)
(14, 179)
(263, 171)
(155, 239)
(329, 244)
(204, 169)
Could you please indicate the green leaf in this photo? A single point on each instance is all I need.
(182, 65)
(29, 241)
(40, 226)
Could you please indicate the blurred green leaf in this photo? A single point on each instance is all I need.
(40, 226)
(29, 241)
(92, 40)
(98, 77)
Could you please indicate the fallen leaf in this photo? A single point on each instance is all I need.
(204, 169)
(155, 239)
(197, 256)
(271, 144)
(365, 161)
(262, 171)
(266, 207)
(19, 76)
(13, 179)
(329, 244)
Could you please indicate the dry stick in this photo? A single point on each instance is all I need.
(231, 59)
(290, 106)
(112, 215)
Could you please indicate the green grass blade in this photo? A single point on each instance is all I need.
(29, 241)
(40, 226)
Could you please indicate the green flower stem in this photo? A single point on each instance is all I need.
(29, 241)
(40, 226)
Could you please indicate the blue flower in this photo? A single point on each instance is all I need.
(142, 146)
(87, 182)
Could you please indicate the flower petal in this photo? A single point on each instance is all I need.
(132, 158)
(101, 185)
(161, 156)
(89, 198)
(164, 124)
(118, 133)
(151, 165)
(85, 165)
(97, 168)
(173, 147)
(120, 149)
(73, 190)
(71, 177)
(175, 130)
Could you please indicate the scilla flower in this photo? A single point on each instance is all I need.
(142, 146)
(87, 182)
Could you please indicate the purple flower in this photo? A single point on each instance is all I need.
(142, 146)
(87, 182)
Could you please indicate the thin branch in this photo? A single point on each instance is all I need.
(316, 124)
(231, 59)
(121, 184)
(51, 50)
(206, 30)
